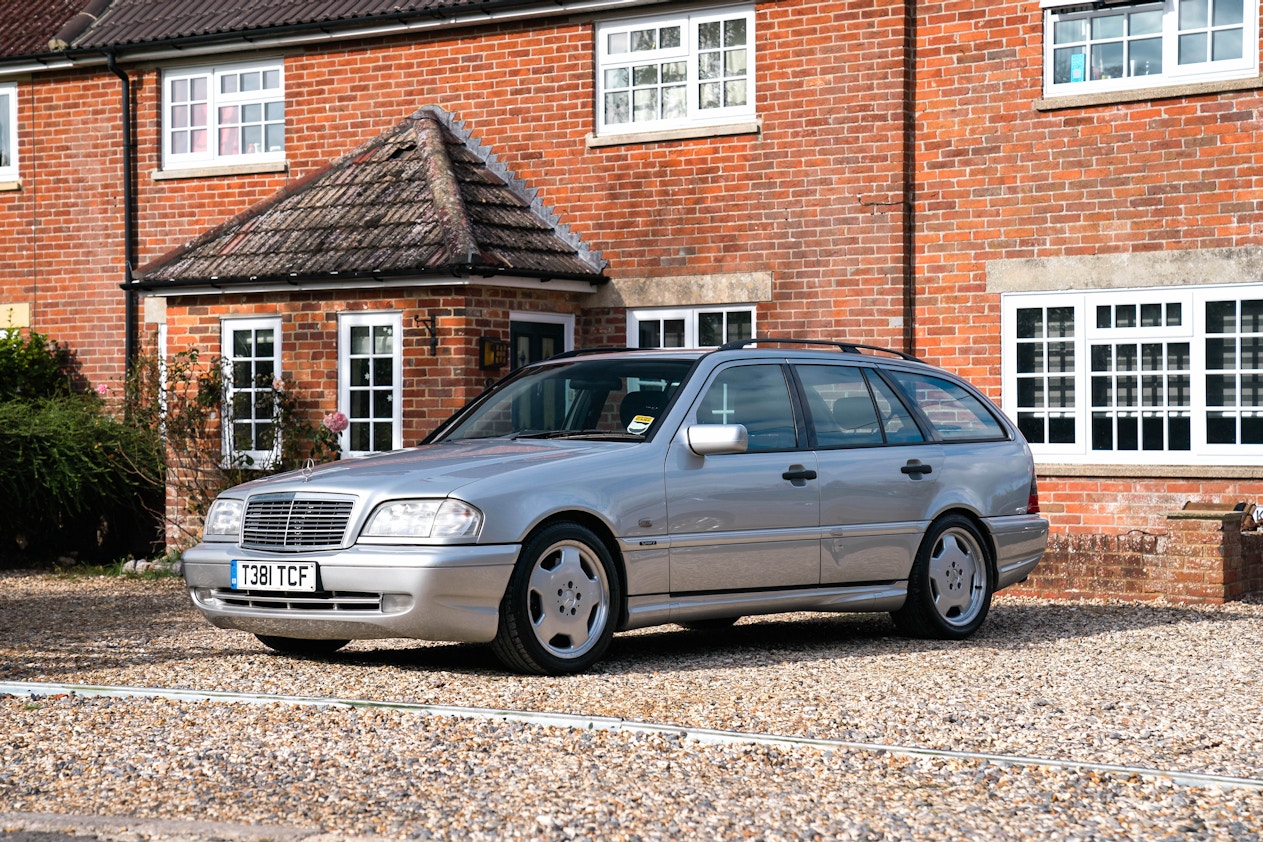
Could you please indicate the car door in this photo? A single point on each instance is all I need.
(878, 473)
(744, 521)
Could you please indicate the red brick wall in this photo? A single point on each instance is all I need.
(998, 179)
(1193, 558)
(807, 199)
(60, 234)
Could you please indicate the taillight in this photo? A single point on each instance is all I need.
(1032, 502)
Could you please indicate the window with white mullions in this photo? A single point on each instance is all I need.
(1045, 376)
(1234, 372)
(694, 327)
(224, 115)
(252, 356)
(1155, 376)
(8, 132)
(675, 71)
(370, 390)
(1121, 46)
(1141, 398)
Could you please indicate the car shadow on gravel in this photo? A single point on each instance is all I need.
(109, 625)
(777, 639)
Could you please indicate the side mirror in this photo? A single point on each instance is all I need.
(716, 439)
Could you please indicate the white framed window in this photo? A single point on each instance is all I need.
(8, 132)
(1164, 375)
(370, 382)
(689, 327)
(1099, 48)
(232, 114)
(252, 369)
(675, 71)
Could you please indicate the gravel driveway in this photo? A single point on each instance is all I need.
(1156, 686)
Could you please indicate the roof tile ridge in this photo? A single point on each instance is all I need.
(528, 195)
(449, 204)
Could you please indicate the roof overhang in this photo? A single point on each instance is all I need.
(212, 286)
(298, 35)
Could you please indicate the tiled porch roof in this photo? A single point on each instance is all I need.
(420, 200)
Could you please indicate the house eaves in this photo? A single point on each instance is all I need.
(135, 41)
(421, 204)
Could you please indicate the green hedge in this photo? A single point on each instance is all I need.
(75, 480)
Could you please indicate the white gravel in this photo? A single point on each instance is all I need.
(1159, 686)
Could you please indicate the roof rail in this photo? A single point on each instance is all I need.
(584, 352)
(847, 347)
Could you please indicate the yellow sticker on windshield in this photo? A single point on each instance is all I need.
(639, 424)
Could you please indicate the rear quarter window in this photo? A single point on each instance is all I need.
(954, 412)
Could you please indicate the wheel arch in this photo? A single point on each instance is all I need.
(601, 530)
(988, 540)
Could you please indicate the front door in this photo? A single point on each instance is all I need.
(535, 341)
(744, 521)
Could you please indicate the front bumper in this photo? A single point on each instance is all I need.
(449, 593)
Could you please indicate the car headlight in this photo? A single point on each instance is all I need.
(422, 519)
(223, 521)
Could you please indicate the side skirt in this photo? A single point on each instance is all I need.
(658, 609)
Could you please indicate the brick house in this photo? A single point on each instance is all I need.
(1056, 199)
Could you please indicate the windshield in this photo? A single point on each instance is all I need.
(605, 398)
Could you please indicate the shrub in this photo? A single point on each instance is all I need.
(33, 366)
(75, 480)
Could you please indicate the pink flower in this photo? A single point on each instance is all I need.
(336, 422)
(102, 389)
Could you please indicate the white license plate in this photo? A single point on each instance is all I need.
(273, 575)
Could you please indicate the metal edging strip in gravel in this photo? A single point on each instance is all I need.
(608, 723)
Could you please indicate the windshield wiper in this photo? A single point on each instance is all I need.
(578, 434)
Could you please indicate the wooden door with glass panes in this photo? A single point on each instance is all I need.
(534, 341)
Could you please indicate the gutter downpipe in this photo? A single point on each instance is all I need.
(909, 176)
(130, 326)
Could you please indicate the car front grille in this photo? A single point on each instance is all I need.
(286, 523)
(320, 601)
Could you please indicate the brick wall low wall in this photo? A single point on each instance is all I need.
(1200, 555)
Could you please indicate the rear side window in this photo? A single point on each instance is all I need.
(953, 411)
(850, 409)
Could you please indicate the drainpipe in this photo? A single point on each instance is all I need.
(130, 327)
(909, 175)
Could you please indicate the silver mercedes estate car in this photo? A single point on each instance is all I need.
(599, 492)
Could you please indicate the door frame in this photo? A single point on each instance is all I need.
(566, 320)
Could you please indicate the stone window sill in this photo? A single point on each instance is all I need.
(690, 133)
(217, 172)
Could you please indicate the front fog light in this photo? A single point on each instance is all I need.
(396, 603)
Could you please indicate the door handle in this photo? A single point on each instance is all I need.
(799, 475)
(914, 468)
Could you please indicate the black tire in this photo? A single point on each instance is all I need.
(951, 583)
(710, 624)
(300, 647)
(562, 603)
